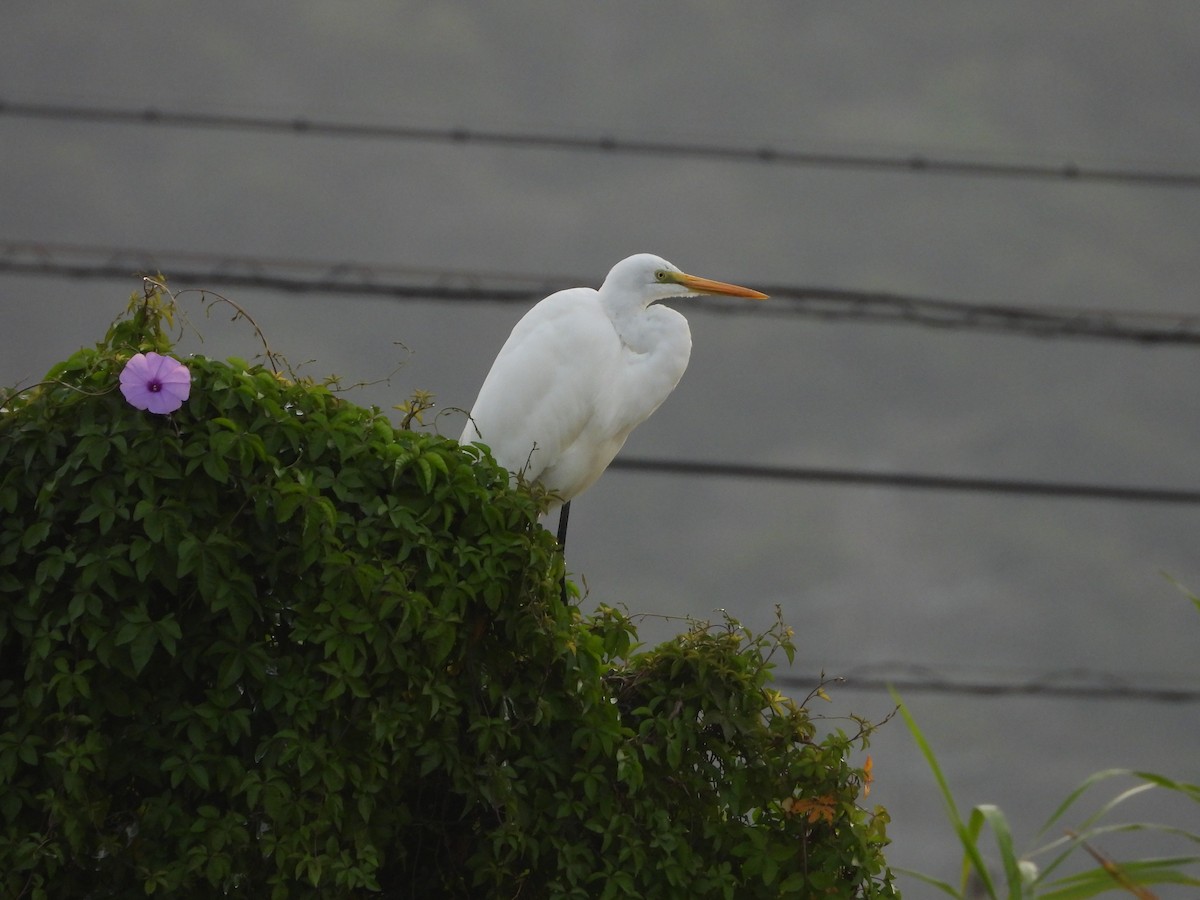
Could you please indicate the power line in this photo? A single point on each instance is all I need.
(761, 155)
(1012, 487)
(878, 307)
(116, 263)
(1076, 684)
(89, 262)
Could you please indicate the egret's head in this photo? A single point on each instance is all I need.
(644, 278)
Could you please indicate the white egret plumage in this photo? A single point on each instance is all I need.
(583, 368)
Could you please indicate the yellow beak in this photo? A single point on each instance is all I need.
(708, 286)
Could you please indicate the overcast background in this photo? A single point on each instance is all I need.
(875, 580)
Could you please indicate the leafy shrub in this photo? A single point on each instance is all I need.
(268, 645)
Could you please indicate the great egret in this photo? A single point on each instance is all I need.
(582, 369)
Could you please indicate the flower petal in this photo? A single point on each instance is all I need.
(135, 370)
(155, 382)
(162, 403)
(134, 381)
(178, 389)
(171, 396)
(155, 364)
(137, 395)
(177, 374)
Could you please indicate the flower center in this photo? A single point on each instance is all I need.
(154, 387)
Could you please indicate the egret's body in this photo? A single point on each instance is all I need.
(582, 369)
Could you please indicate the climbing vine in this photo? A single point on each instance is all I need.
(264, 644)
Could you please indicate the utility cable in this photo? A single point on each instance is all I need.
(760, 155)
(1071, 685)
(962, 484)
(86, 262)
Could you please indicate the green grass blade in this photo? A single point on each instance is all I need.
(1085, 826)
(1088, 828)
(1103, 830)
(942, 886)
(1195, 600)
(1141, 873)
(1074, 841)
(971, 856)
(1079, 791)
(999, 824)
(1191, 791)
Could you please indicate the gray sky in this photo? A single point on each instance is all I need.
(975, 586)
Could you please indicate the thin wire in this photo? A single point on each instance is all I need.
(39, 259)
(1012, 487)
(253, 277)
(357, 279)
(877, 307)
(1074, 685)
(762, 155)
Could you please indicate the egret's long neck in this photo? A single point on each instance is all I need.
(657, 342)
(634, 325)
(645, 330)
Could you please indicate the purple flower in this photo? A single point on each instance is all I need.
(157, 383)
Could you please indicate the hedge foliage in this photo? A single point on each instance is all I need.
(270, 646)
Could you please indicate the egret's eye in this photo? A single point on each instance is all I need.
(662, 275)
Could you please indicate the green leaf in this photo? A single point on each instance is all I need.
(141, 648)
(1141, 873)
(972, 858)
(1008, 857)
(943, 886)
(34, 535)
(216, 467)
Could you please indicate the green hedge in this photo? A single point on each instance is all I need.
(269, 646)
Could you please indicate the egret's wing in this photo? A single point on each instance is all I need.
(541, 391)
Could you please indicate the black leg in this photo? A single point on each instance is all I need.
(562, 542)
(562, 525)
